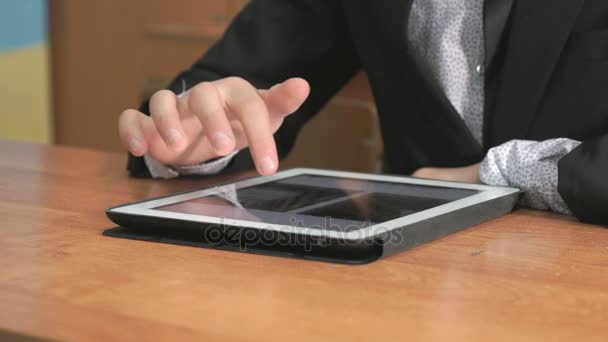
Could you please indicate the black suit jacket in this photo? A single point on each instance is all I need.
(549, 80)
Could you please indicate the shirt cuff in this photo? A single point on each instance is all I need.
(160, 170)
(530, 166)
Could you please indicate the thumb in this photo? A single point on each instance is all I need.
(285, 98)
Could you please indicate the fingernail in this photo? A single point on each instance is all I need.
(134, 144)
(267, 165)
(174, 136)
(220, 141)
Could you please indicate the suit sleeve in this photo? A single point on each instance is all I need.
(583, 180)
(267, 43)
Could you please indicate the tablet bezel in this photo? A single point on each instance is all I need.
(486, 193)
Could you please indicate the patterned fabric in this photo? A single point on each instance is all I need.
(159, 170)
(448, 35)
(531, 166)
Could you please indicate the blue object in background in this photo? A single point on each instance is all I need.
(25, 71)
(22, 23)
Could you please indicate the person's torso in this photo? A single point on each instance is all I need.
(549, 80)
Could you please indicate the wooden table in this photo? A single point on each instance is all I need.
(530, 276)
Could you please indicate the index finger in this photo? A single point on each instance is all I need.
(243, 101)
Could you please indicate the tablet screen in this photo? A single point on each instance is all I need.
(320, 202)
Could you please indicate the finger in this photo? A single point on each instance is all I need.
(131, 133)
(200, 150)
(245, 103)
(287, 97)
(157, 147)
(163, 110)
(205, 102)
(139, 133)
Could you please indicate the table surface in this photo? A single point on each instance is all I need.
(528, 276)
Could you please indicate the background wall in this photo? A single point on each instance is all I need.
(24, 71)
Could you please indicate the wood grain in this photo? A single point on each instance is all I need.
(529, 276)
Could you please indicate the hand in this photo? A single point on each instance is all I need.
(468, 174)
(212, 120)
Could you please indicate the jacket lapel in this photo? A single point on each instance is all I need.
(538, 34)
(495, 16)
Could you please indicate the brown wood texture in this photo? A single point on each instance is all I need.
(529, 276)
(104, 53)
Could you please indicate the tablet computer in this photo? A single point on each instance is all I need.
(319, 214)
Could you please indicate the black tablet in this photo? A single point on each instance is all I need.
(318, 214)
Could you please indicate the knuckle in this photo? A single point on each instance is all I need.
(252, 107)
(159, 96)
(160, 105)
(205, 102)
(237, 85)
(237, 81)
(161, 117)
(127, 121)
(214, 114)
(128, 113)
(201, 89)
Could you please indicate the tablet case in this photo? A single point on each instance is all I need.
(308, 251)
(397, 240)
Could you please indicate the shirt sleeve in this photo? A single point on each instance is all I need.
(159, 170)
(532, 167)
